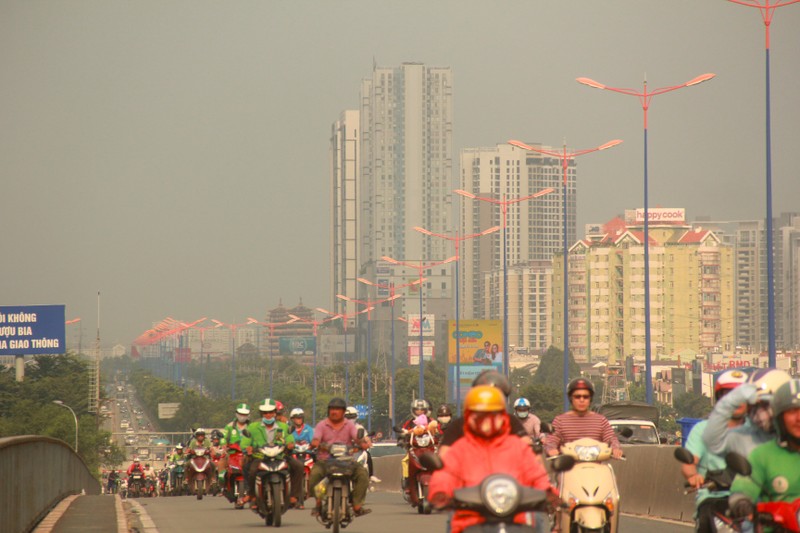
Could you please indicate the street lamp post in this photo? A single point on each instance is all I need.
(62, 404)
(232, 328)
(369, 305)
(392, 292)
(504, 203)
(457, 241)
(420, 268)
(644, 98)
(767, 10)
(565, 157)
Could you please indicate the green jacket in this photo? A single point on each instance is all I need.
(260, 437)
(232, 434)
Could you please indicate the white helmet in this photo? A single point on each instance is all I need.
(297, 413)
(351, 413)
(242, 409)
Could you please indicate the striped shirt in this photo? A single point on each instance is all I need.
(568, 427)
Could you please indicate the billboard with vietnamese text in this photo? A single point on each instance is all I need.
(32, 329)
(297, 345)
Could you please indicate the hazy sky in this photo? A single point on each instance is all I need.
(174, 154)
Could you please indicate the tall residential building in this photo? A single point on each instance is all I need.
(534, 229)
(787, 253)
(345, 239)
(691, 292)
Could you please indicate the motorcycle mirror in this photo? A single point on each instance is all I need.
(431, 461)
(563, 463)
(360, 434)
(546, 428)
(738, 463)
(246, 433)
(684, 456)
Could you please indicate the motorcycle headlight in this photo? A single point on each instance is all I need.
(200, 452)
(301, 448)
(501, 496)
(587, 453)
(271, 451)
(424, 440)
(337, 450)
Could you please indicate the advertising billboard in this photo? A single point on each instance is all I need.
(428, 325)
(480, 343)
(32, 329)
(296, 345)
(413, 351)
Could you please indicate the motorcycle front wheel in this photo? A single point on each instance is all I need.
(277, 504)
(199, 488)
(337, 508)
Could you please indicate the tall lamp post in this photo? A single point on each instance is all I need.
(565, 158)
(369, 305)
(420, 268)
(644, 99)
(456, 239)
(315, 323)
(504, 203)
(232, 328)
(767, 10)
(392, 288)
(271, 326)
(62, 404)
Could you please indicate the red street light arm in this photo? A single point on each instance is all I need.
(565, 155)
(456, 238)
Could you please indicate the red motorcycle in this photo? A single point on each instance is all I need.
(234, 478)
(780, 516)
(302, 453)
(201, 464)
(419, 476)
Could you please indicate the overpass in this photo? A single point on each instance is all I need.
(649, 481)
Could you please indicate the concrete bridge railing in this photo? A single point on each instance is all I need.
(36, 473)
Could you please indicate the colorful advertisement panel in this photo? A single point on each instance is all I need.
(480, 343)
(296, 345)
(428, 325)
(413, 351)
(32, 329)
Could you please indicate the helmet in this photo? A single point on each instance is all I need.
(279, 407)
(337, 403)
(786, 397)
(493, 378)
(136, 460)
(147, 465)
(444, 410)
(351, 413)
(199, 431)
(580, 383)
(216, 434)
(485, 399)
(242, 409)
(729, 380)
(522, 403)
(420, 404)
(297, 413)
(767, 381)
(268, 406)
(179, 447)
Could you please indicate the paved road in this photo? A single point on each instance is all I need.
(389, 515)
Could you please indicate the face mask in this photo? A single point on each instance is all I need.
(268, 421)
(444, 419)
(241, 418)
(761, 417)
(523, 414)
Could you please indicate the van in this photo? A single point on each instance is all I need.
(633, 422)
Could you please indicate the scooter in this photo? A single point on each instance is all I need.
(201, 464)
(234, 478)
(272, 486)
(715, 480)
(301, 453)
(499, 497)
(588, 491)
(419, 477)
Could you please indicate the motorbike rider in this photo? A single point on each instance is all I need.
(177, 456)
(581, 422)
(419, 408)
(522, 410)
(301, 432)
(233, 435)
(198, 441)
(487, 434)
(707, 502)
(757, 393)
(265, 432)
(135, 465)
(775, 474)
(112, 481)
(150, 473)
(336, 429)
(351, 413)
(218, 453)
(281, 414)
(443, 417)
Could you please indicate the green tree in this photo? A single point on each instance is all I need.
(551, 367)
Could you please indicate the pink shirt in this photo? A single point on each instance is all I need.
(325, 432)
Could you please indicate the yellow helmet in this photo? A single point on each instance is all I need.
(485, 399)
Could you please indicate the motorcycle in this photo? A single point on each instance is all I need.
(715, 480)
(499, 497)
(149, 487)
(779, 516)
(302, 453)
(234, 478)
(419, 477)
(334, 492)
(178, 476)
(589, 494)
(135, 484)
(201, 464)
(272, 485)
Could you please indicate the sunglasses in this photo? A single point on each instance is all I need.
(581, 396)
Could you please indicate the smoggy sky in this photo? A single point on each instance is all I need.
(174, 154)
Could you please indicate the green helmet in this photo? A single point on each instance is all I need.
(786, 397)
(243, 409)
(268, 406)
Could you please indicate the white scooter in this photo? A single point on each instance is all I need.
(589, 494)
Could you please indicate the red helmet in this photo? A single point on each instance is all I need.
(279, 407)
(729, 380)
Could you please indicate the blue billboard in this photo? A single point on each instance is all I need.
(32, 329)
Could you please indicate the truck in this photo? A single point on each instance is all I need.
(633, 422)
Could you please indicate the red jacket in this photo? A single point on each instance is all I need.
(134, 466)
(470, 460)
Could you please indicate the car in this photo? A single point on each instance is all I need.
(633, 422)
